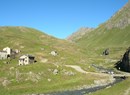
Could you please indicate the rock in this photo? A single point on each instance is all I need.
(5, 62)
(17, 51)
(100, 82)
(49, 80)
(42, 49)
(69, 73)
(6, 82)
(79, 34)
(55, 72)
(106, 52)
(33, 77)
(49, 70)
(44, 60)
(53, 53)
(124, 63)
(18, 75)
(21, 46)
(11, 68)
(120, 19)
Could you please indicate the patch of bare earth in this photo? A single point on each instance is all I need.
(127, 92)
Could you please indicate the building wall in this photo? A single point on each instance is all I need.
(21, 62)
(27, 60)
(8, 50)
(3, 55)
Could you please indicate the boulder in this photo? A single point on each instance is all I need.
(6, 82)
(124, 63)
(55, 72)
(106, 52)
(53, 53)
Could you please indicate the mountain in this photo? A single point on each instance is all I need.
(79, 34)
(113, 34)
(121, 19)
(67, 70)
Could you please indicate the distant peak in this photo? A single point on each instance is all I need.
(79, 34)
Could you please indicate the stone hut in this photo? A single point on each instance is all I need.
(3, 55)
(26, 59)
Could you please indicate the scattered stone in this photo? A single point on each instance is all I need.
(108, 87)
(42, 49)
(33, 77)
(55, 72)
(18, 75)
(99, 82)
(41, 73)
(44, 60)
(17, 51)
(49, 80)
(106, 51)
(5, 62)
(21, 46)
(69, 73)
(6, 82)
(11, 68)
(53, 53)
(49, 70)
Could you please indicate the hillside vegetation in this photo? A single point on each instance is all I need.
(57, 73)
(113, 34)
(49, 73)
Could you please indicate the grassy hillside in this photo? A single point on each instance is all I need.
(122, 88)
(35, 42)
(113, 34)
(40, 77)
(102, 37)
(49, 73)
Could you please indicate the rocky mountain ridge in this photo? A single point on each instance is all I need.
(79, 34)
(120, 19)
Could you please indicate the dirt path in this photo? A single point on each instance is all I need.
(77, 68)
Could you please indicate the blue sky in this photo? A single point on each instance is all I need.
(58, 18)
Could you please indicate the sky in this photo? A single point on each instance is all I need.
(59, 18)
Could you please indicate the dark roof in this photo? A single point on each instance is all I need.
(4, 51)
(30, 56)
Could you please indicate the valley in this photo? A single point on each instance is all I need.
(61, 65)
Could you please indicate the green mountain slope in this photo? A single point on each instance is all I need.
(32, 41)
(113, 34)
(49, 73)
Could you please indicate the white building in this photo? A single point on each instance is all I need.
(26, 59)
(8, 50)
(3, 55)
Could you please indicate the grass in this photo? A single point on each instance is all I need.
(39, 77)
(19, 85)
(120, 89)
(34, 78)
